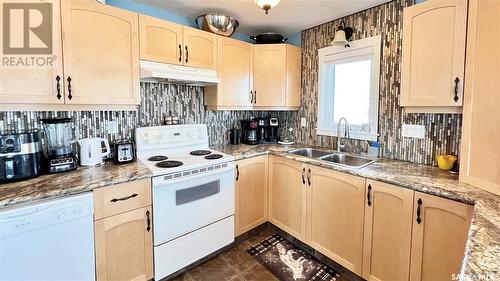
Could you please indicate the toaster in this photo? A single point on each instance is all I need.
(123, 151)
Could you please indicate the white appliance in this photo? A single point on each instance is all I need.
(154, 71)
(193, 194)
(53, 240)
(92, 151)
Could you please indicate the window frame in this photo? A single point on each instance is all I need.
(368, 48)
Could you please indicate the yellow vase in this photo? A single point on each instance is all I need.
(446, 162)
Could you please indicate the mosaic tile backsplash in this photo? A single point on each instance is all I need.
(186, 102)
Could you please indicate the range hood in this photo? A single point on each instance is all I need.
(178, 74)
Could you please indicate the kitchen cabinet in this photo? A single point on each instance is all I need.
(166, 42)
(34, 85)
(434, 34)
(251, 193)
(387, 232)
(479, 165)
(123, 231)
(439, 234)
(256, 77)
(100, 41)
(335, 211)
(235, 74)
(287, 196)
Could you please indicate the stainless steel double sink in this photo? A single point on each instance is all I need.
(337, 158)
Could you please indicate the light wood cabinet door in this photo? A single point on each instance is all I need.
(160, 41)
(200, 48)
(251, 193)
(434, 35)
(270, 75)
(287, 196)
(293, 76)
(481, 130)
(335, 216)
(387, 232)
(32, 84)
(124, 246)
(440, 229)
(101, 54)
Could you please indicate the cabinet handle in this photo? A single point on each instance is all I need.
(456, 89)
(251, 96)
(123, 198)
(237, 172)
(187, 54)
(368, 196)
(58, 87)
(419, 203)
(69, 88)
(255, 97)
(148, 221)
(303, 179)
(180, 53)
(309, 177)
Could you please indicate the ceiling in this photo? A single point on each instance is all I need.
(288, 17)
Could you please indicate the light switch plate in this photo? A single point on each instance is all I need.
(413, 131)
(112, 127)
(303, 122)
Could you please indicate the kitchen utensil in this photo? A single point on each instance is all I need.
(446, 162)
(269, 38)
(58, 140)
(92, 151)
(19, 156)
(123, 152)
(217, 23)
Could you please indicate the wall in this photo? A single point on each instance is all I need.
(442, 130)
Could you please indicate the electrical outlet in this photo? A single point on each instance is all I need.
(413, 131)
(303, 122)
(112, 127)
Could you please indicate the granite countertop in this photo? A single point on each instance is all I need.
(81, 180)
(482, 256)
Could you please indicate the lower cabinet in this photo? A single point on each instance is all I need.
(440, 228)
(387, 232)
(287, 196)
(123, 235)
(251, 193)
(335, 216)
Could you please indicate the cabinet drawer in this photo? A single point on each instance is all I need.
(121, 198)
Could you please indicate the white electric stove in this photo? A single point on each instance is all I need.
(193, 194)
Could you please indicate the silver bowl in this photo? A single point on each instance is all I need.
(217, 23)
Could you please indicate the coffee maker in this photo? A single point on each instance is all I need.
(268, 130)
(59, 156)
(249, 133)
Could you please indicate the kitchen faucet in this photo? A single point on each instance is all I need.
(346, 134)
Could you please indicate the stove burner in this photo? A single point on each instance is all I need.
(213, 156)
(157, 158)
(168, 164)
(200, 152)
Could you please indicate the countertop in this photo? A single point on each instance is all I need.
(81, 180)
(482, 256)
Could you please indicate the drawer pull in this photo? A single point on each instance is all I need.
(309, 177)
(148, 219)
(456, 89)
(123, 198)
(369, 197)
(419, 203)
(237, 172)
(303, 179)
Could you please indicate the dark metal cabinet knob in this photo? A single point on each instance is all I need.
(180, 53)
(419, 203)
(70, 96)
(368, 195)
(58, 87)
(456, 89)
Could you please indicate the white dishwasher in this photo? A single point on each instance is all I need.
(53, 240)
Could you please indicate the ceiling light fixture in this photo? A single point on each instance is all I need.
(267, 5)
(343, 34)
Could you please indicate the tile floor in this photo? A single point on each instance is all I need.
(235, 264)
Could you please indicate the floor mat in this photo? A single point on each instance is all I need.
(288, 262)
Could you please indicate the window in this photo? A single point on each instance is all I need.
(349, 87)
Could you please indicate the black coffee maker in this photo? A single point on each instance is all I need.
(249, 134)
(267, 132)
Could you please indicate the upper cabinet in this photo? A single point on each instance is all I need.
(434, 34)
(166, 42)
(479, 162)
(101, 54)
(271, 71)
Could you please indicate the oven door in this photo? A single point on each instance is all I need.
(188, 203)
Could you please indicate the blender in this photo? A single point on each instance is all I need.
(58, 141)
